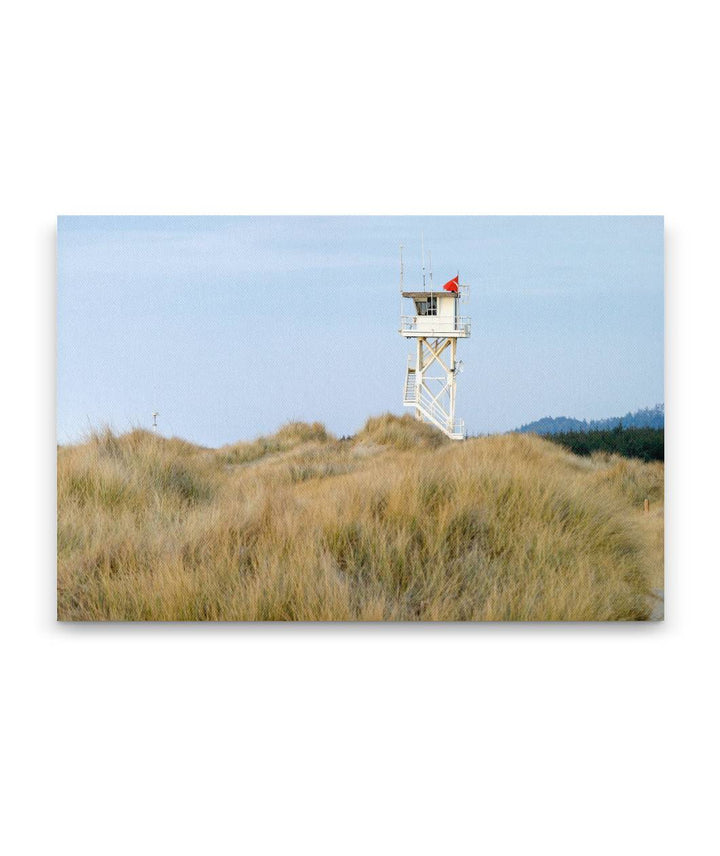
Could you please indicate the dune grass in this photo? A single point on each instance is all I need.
(396, 523)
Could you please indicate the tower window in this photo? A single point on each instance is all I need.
(427, 306)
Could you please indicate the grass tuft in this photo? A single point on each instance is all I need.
(396, 524)
(401, 432)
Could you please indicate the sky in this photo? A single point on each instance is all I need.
(230, 326)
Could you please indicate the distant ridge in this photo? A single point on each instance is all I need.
(648, 417)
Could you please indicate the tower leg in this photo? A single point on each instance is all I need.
(451, 383)
(419, 376)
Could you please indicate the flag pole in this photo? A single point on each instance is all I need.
(401, 285)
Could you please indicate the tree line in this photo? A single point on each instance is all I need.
(647, 444)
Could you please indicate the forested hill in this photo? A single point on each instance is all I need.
(648, 417)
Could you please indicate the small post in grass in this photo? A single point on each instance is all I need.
(647, 506)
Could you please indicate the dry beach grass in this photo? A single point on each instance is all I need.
(396, 523)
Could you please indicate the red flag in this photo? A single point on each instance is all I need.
(452, 285)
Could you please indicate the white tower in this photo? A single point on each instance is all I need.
(430, 378)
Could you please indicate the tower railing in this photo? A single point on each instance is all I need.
(461, 324)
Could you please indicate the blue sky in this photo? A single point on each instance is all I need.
(230, 326)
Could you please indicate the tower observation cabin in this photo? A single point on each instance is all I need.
(434, 321)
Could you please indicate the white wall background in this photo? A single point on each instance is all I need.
(358, 739)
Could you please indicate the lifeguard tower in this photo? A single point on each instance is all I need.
(436, 325)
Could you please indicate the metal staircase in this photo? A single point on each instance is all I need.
(409, 397)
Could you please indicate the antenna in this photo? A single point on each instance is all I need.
(422, 244)
(401, 268)
(430, 261)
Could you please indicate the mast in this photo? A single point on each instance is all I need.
(402, 284)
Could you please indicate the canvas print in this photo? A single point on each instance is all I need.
(410, 418)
